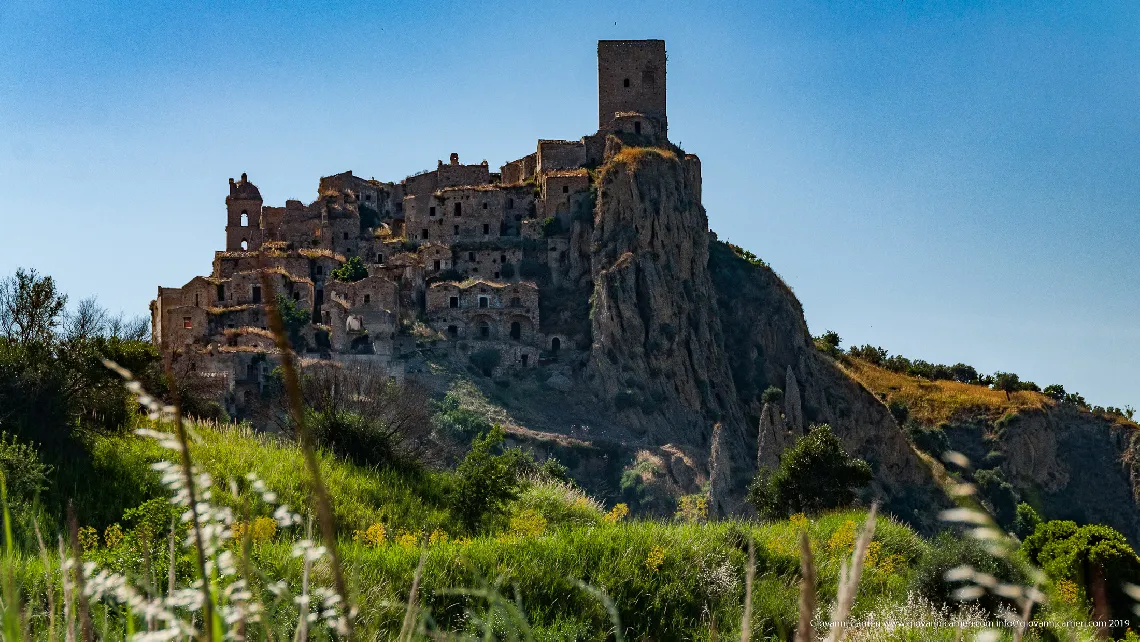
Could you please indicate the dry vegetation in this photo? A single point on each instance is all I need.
(938, 402)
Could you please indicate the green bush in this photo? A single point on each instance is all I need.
(1026, 520)
(351, 270)
(772, 395)
(814, 475)
(868, 353)
(459, 423)
(487, 482)
(949, 550)
(828, 343)
(1087, 555)
(551, 226)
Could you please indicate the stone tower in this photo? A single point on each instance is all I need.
(631, 79)
(243, 216)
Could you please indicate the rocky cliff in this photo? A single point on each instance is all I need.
(686, 335)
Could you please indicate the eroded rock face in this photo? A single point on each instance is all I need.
(683, 340)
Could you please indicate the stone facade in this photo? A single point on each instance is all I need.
(460, 248)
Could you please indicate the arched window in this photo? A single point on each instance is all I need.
(516, 330)
(244, 244)
(484, 330)
(555, 344)
(244, 218)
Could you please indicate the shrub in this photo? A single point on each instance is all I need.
(295, 319)
(486, 360)
(745, 254)
(351, 270)
(930, 440)
(963, 373)
(999, 493)
(814, 475)
(1055, 391)
(828, 343)
(772, 394)
(486, 482)
(1088, 555)
(1026, 520)
(551, 226)
(868, 353)
(948, 551)
(25, 474)
(899, 411)
(457, 422)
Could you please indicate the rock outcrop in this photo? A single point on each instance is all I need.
(686, 335)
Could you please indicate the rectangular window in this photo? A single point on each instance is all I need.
(486, 229)
(483, 301)
(470, 256)
(431, 211)
(436, 266)
(257, 294)
(453, 302)
(187, 323)
(221, 292)
(368, 298)
(320, 270)
(565, 189)
(425, 234)
(457, 230)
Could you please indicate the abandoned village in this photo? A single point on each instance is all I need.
(458, 257)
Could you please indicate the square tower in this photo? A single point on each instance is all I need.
(631, 79)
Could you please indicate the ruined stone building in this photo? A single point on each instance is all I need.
(459, 259)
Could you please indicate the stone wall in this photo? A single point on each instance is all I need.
(560, 154)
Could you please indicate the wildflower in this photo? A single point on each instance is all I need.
(407, 539)
(88, 539)
(112, 536)
(529, 523)
(1068, 591)
(437, 537)
(655, 558)
(693, 508)
(799, 520)
(616, 514)
(371, 536)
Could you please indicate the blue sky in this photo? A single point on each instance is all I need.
(952, 181)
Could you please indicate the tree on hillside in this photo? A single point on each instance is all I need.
(815, 474)
(1007, 382)
(486, 482)
(31, 307)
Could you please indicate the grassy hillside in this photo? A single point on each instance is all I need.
(671, 579)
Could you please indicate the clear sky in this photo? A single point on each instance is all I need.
(954, 181)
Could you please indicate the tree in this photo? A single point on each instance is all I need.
(1056, 391)
(828, 342)
(1026, 520)
(1007, 382)
(31, 307)
(1094, 556)
(351, 270)
(295, 319)
(963, 373)
(815, 474)
(486, 482)
(772, 395)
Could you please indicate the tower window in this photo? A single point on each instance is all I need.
(221, 292)
(244, 244)
(626, 82)
(244, 218)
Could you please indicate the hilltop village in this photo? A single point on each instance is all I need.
(459, 257)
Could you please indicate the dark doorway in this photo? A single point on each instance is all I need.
(516, 330)
(555, 344)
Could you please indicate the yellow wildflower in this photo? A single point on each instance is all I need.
(529, 523)
(88, 539)
(113, 535)
(371, 536)
(843, 539)
(693, 508)
(799, 520)
(616, 514)
(437, 537)
(655, 558)
(1068, 591)
(407, 539)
